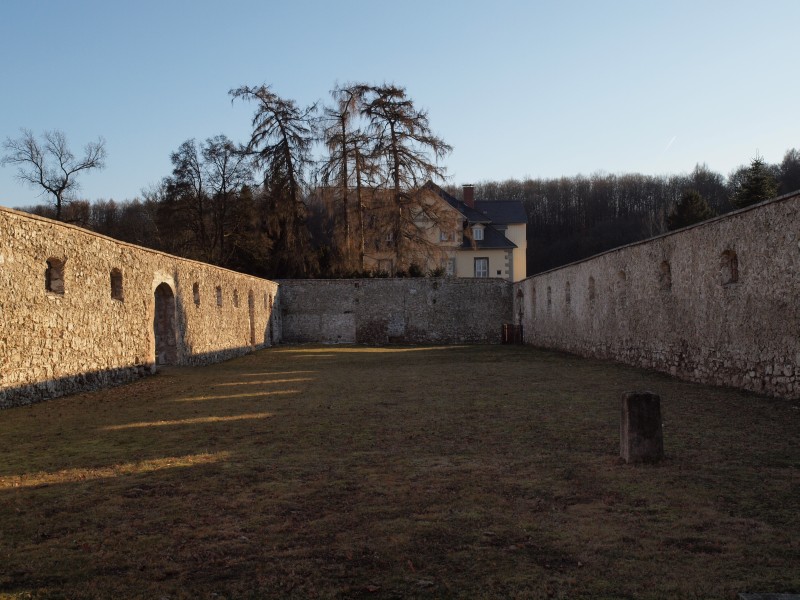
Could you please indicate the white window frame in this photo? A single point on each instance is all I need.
(477, 233)
(481, 267)
(450, 267)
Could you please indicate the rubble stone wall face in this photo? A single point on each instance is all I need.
(714, 303)
(383, 311)
(96, 324)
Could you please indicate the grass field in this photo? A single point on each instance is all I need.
(470, 472)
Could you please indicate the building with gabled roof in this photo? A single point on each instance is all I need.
(462, 238)
(493, 236)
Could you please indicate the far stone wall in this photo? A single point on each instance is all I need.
(383, 311)
(714, 303)
(102, 310)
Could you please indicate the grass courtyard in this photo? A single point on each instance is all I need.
(469, 472)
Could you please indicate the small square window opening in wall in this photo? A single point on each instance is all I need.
(54, 276)
(116, 285)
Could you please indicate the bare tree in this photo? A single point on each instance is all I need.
(403, 145)
(188, 186)
(348, 165)
(227, 172)
(281, 144)
(205, 188)
(50, 165)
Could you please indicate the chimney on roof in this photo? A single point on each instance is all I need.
(469, 195)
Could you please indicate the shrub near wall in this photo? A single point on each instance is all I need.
(383, 311)
(78, 310)
(713, 303)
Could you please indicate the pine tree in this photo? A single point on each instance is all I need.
(690, 209)
(758, 185)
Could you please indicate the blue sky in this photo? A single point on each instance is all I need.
(539, 89)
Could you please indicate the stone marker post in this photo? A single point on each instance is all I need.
(640, 433)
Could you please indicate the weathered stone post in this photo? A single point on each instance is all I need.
(641, 437)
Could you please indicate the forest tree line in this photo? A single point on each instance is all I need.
(297, 199)
(571, 218)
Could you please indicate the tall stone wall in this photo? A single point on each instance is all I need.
(383, 311)
(714, 303)
(80, 310)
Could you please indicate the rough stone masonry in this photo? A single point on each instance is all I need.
(717, 302)
(714, 303)
(80, 310)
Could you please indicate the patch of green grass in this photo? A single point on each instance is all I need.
(394, 473)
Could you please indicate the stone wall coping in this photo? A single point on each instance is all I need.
(707, 222)
(24, 215)
(467, 280)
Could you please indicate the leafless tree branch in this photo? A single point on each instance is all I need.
(49, 164)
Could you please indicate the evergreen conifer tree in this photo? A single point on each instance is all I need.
(690, 209)
(758, 185)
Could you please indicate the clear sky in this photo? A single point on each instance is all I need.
(518, 88)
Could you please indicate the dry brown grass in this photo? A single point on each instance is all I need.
(393, 473)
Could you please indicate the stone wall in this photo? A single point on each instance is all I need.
(80, 310)
(383, 311)
(714, 303)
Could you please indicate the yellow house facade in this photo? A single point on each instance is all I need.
(461, 238)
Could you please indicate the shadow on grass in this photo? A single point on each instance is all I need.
(439, 473)
(47, 389)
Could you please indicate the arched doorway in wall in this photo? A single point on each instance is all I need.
(251, 313)
(164, 326)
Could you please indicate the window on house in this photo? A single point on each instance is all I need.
(54, 276)
(477, 233)
(116, 285)
(450, 267)
(196, 293)
(444, 236)
(219, 296)
(481, 267)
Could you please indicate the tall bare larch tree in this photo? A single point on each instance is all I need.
(280, 145)
(347, 166)
(407, 153)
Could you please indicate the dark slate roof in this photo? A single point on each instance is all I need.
(492, 240)
(472, 215)
(502, 211)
